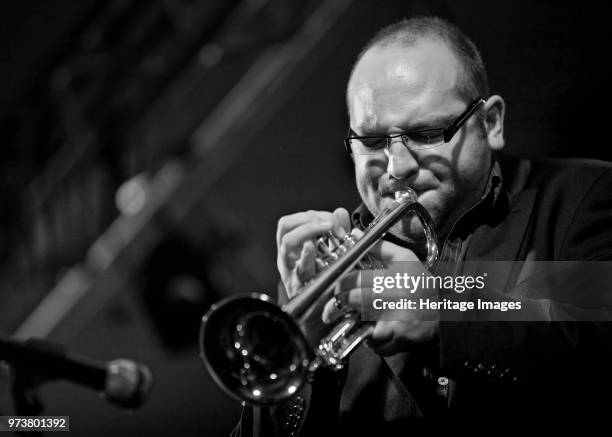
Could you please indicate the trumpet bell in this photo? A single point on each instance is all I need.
(254, 351)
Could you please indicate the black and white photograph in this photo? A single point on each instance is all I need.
(274, 218)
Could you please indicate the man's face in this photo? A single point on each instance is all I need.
(399, 89)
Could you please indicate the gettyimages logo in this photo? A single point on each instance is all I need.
(411, 283)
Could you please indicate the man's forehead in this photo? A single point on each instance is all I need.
(427, 66)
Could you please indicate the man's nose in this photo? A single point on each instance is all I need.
(401, 162)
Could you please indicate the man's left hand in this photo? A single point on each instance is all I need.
(395, 330)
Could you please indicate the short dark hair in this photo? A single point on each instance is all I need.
(473, 82)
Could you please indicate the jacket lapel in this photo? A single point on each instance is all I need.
(502, 238)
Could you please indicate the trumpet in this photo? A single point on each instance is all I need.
(262, 354)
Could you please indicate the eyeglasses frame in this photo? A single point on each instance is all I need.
(447, 133)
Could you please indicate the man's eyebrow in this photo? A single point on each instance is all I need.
(441, 121)
(435, 122)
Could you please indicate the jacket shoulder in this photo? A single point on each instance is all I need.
(572, 207)
(573, 174)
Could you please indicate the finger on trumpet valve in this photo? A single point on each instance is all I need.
(333, 241)
(324, 251)
(321, 264)
(349, 241)
(344, 246)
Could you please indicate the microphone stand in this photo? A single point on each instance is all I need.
(24, 386)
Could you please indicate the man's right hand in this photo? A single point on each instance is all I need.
(295, 236)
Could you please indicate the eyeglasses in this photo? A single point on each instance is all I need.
(416, 140)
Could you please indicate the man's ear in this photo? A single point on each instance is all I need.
(495, 110)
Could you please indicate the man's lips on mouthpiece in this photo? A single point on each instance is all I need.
(388, 192)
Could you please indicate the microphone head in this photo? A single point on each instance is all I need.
(127, 383)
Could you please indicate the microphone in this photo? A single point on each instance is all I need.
(122, 382)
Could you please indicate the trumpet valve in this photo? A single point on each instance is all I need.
(330, 248)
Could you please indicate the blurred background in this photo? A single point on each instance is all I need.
(150, 146)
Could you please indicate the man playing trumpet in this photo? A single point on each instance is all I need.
(422, 117)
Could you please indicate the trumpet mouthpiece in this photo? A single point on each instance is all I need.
(405, 195)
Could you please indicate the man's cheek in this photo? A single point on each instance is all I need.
(437, 201)
(367, 191)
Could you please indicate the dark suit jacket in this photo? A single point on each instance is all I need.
(547, 210)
